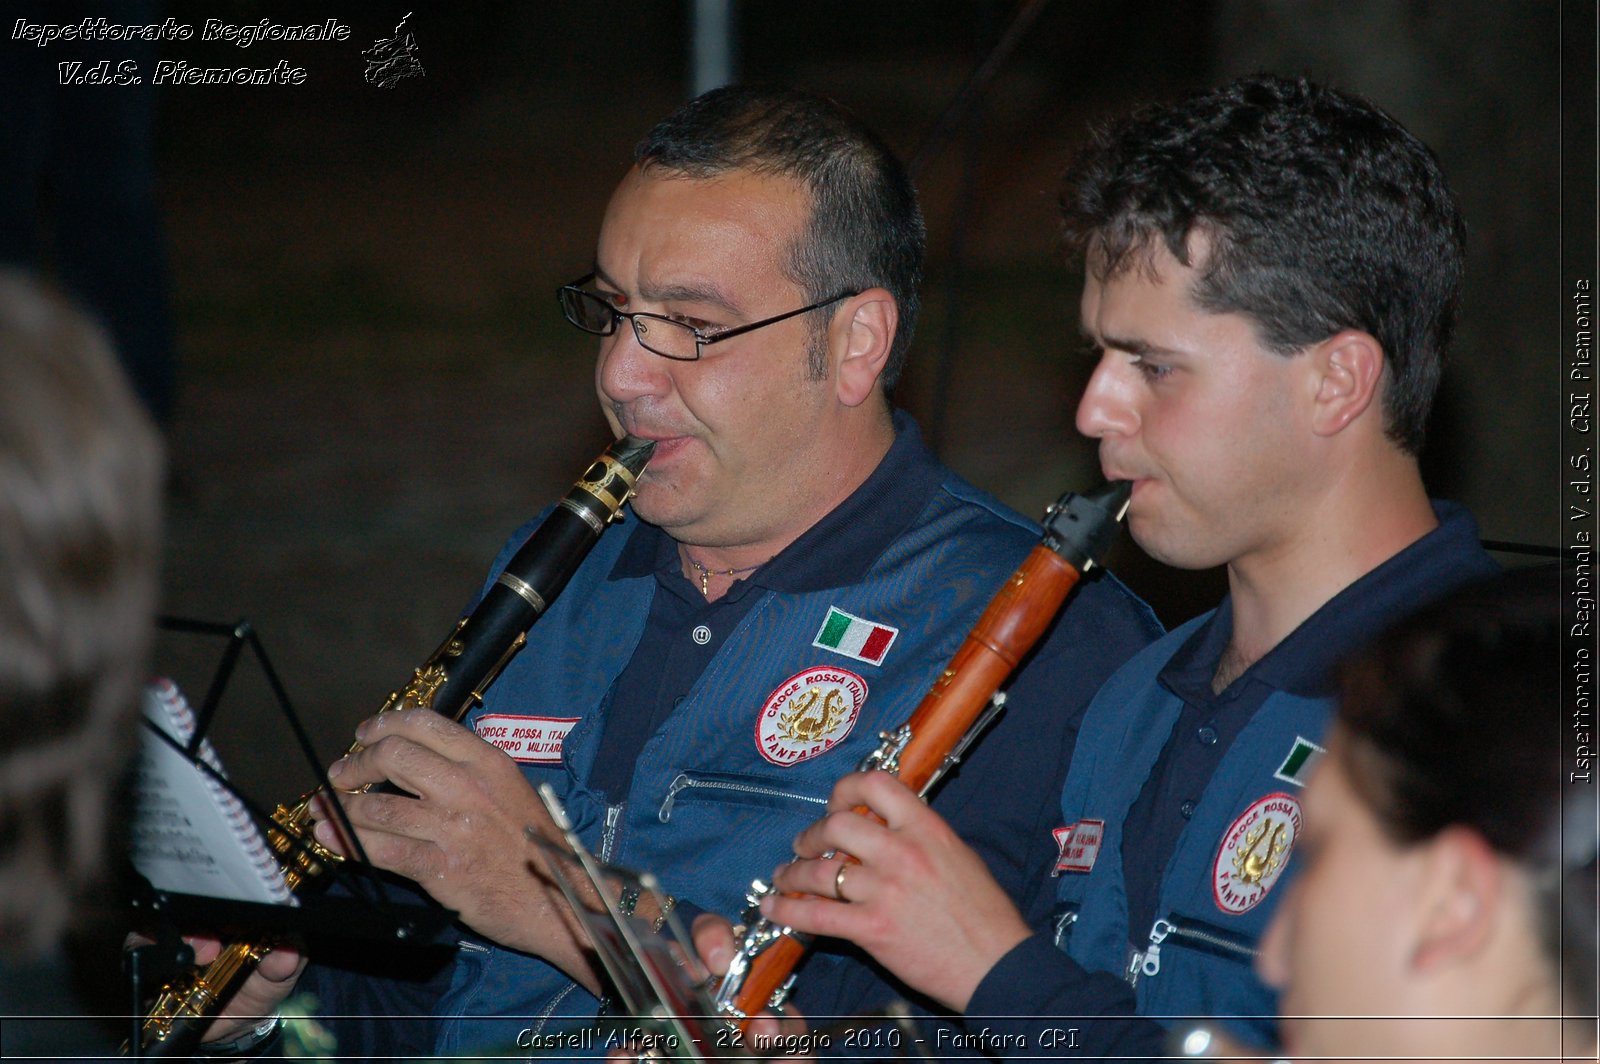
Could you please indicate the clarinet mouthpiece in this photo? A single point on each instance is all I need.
(633, 453)
(1113, 497)
(1082, 527)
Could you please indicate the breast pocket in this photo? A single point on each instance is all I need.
(738, 791)
(716, 832)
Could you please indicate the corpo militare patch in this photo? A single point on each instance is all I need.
(529, 740)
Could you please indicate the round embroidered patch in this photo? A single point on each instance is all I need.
(1254, 853)
(809, 713)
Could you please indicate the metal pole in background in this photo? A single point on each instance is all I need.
(712, 58)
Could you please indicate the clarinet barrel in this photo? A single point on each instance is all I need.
(451, 682)
(454, 679)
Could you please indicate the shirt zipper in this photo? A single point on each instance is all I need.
(608, 837)
(1063, 922)
(543, 1019)
(1191, 932)
(1148, 961)
(685, 781)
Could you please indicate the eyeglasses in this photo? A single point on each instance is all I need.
(658, 333)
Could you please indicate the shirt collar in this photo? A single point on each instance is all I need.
(1303, 661)
(839, 549)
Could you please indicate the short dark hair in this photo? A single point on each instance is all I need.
(1323, 213)
(1453, 717)
(866, 229)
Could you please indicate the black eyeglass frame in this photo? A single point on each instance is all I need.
(701, 341)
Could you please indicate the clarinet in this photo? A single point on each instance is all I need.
(450, 682)
(1078, 530)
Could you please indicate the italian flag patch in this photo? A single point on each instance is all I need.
(855, 637)
(1301, 759)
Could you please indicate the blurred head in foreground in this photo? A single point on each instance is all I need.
(80, 482)
(1448, 860)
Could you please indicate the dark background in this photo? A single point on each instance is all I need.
(375, 387)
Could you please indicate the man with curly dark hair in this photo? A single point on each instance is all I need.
(1272, 273)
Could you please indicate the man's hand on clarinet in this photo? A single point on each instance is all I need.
(462, 837)
(257, 998)
(920, 901)
(267, 988)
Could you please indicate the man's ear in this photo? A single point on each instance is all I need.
(1349, 377)
(1458, 900)
(860, 339)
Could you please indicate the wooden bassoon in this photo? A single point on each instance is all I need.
(1078, 530)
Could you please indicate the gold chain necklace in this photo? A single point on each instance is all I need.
(707, 574)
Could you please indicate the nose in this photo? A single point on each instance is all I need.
(1107, 407)
(626, 371)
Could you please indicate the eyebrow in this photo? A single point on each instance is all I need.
(679, 293)
(1131, 345)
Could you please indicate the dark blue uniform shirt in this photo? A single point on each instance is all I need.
(684, 631)
(1302, 664)
(1004, 798)
(1040, 981)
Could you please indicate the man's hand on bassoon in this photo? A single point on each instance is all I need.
(714, 941)
(920, 901)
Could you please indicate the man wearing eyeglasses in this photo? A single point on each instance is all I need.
(801, 571)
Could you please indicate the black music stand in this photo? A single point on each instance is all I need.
(369, 914)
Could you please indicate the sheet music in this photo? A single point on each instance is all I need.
(190, 834)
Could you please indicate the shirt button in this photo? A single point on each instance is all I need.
(701, 635)
(1207, 735)
(1187, 809)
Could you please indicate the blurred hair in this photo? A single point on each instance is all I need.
(866, 230)
(1322, 214)
(80, 479)
(1455, 717)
